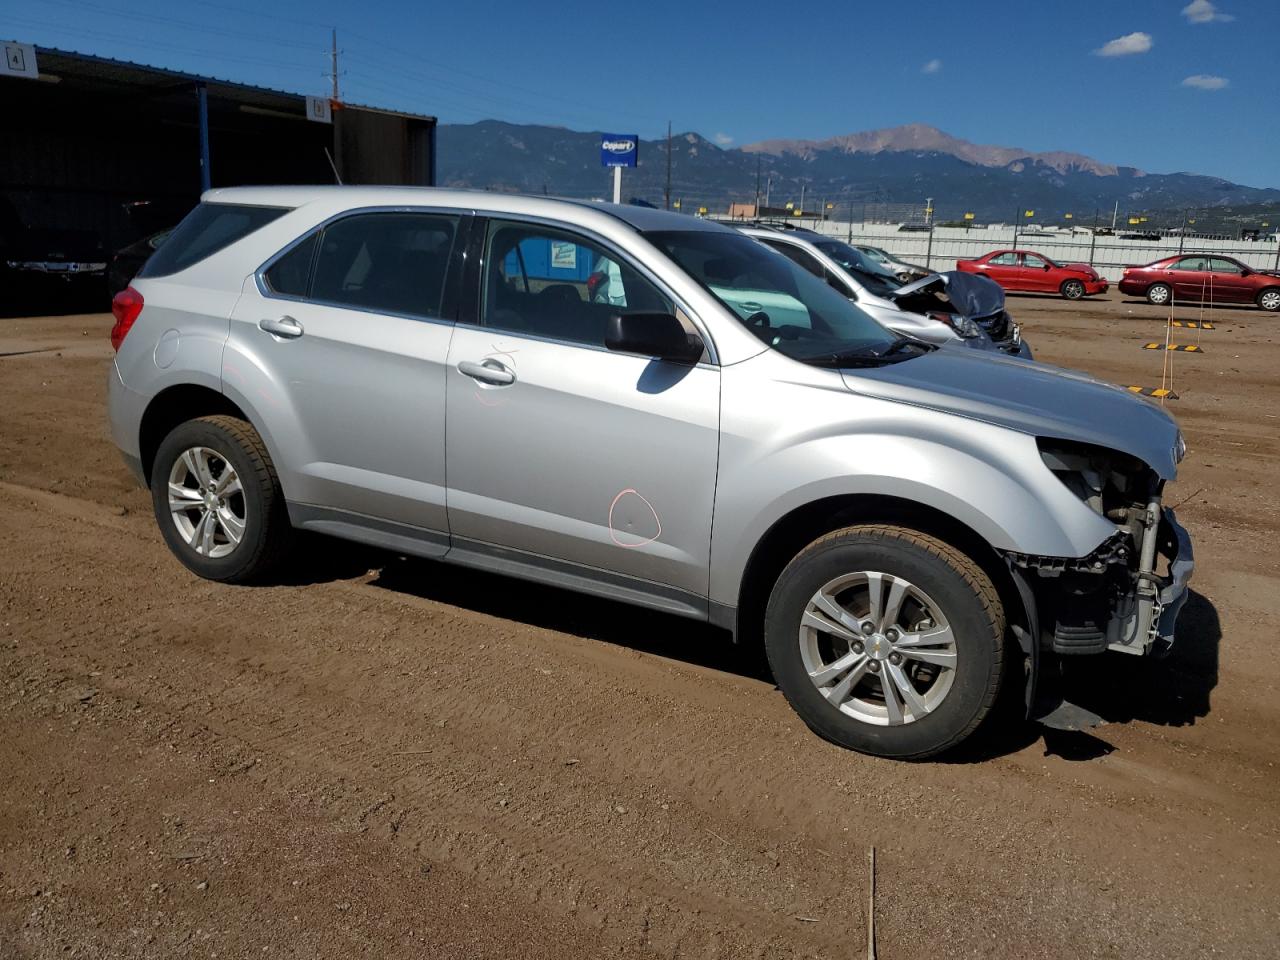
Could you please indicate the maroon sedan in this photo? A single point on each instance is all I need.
(1205, 279)
(1023, 270)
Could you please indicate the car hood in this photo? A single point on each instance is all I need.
(1084, 268)
(971, 294)
(1032, 398)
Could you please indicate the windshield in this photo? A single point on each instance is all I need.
(780, 302)
(863, 267)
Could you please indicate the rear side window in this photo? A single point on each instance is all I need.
(291, 274)
(203, 232)
(389, 262)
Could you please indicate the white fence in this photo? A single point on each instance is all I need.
(1108, 255)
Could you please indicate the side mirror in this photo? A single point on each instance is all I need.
(659, 335)
(1246, 272)
(1046, 268)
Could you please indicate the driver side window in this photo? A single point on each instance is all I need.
(1004, 260)
(551, 283)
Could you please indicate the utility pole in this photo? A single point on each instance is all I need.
(667, 193)
(768, 188)
(333, 61)
(1115, 213)
(1093, 237)
(1016, 214)
(756, 209)
(1182, 234)
(802, 186)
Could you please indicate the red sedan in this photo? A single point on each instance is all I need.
(1030, 272)
(1204, 279)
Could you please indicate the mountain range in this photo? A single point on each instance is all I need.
(899, 165)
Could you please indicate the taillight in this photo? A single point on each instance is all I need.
(125, 307)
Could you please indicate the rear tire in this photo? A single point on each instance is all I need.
(935, 635)
(1269, 299)
(1159, 294)
(218, 501)
(1072, 289)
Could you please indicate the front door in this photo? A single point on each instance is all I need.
(572, 454)
(1229, 283)
(1035, 273)
(1003, 269)
(343, 355)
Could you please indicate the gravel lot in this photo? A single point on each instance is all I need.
(392, 758)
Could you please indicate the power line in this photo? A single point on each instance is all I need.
(204, 28)
(162, 45)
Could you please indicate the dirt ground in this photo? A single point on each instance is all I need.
(393, 758)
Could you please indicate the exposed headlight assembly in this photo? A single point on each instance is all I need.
(962, 325)
(1109, 482)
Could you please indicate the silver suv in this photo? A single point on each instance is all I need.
(721, 435)
(947, 307)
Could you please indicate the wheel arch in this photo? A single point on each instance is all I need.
(795, 530)
(1271, 288)
(178, 404)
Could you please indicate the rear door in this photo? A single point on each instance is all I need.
(341, 346)
(578, 457)
(1190, 278)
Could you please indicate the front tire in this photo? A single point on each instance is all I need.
(1269, 299)
(886, 641)
(218, 501)
(1072, 290)
(1159, 294)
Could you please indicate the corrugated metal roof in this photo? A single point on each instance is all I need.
(74, 67)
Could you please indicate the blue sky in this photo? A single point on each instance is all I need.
(1164, 85)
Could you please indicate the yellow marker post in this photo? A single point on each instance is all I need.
(1029, 213)
(968, 216)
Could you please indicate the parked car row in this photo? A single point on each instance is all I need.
(570, 392)
(937, 308)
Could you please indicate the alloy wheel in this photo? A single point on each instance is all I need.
(206, 502)
(1270, 300)
(878, 648)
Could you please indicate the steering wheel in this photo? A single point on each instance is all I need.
(758, 319)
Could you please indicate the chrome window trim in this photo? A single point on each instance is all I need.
(265, 291)
(609, 246)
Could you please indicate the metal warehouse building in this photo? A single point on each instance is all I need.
(120, 149)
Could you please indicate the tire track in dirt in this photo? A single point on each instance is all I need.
(236, 674)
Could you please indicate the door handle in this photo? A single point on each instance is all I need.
(488, 371)
(286, 327)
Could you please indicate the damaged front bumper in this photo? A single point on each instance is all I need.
(1173, 589)
(1125, 596)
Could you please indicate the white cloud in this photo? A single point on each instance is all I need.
(723, 139)
(1138, 42)
(1203, 11)
(933, 66)
(1202, 81)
